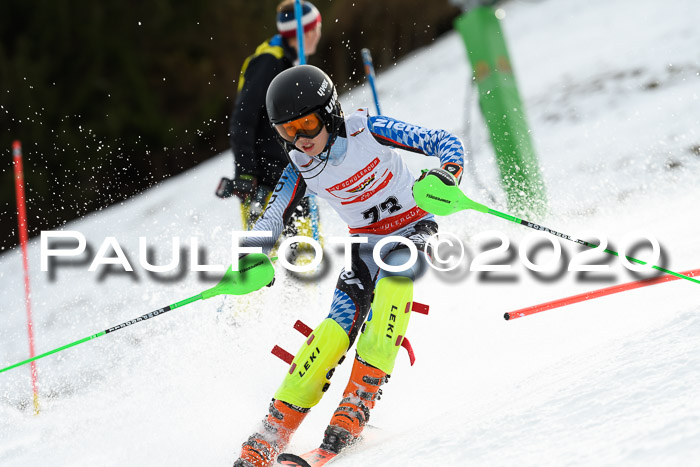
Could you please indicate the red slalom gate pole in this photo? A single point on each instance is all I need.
(531, 310)
(23, 239)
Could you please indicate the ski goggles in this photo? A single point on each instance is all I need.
(308, 126)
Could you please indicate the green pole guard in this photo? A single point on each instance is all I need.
(255, 271)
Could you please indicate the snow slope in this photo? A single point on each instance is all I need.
(611, 91)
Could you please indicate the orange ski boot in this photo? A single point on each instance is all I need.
(359, 397)
(262, 448)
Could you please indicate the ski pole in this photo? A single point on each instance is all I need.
(254, 272)
(433, 195)
(369, 72)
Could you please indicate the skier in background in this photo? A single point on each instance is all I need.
(352, 164)
(258, 158)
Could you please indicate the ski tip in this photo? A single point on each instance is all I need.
(506, 316)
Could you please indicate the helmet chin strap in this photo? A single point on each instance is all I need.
(323, 159)
(334, 135)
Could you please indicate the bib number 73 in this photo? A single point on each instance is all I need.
(389, 206)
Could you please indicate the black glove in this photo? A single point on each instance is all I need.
(242, 187)
(445, 177)
(454, 169)
(450, 174)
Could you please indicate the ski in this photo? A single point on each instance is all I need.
(315, 458)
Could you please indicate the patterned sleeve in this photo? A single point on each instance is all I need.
(289, 191)
(398, 134)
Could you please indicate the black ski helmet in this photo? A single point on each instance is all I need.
(302, 90)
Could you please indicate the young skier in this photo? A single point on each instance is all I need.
(352, 164)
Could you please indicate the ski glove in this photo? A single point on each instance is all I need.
(446, 176)
(242, 187)
(454, 169)
(437, 192)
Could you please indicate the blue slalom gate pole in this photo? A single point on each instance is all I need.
(369, 72)
(300, 32)
(313, 207)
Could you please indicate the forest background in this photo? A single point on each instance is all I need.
(111, 97)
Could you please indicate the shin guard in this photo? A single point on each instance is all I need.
(381, 340)
(310, 372)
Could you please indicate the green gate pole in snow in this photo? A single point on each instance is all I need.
(503, 110)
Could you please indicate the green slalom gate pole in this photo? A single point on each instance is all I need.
(433, 195)
(254, 272)
(502, 108)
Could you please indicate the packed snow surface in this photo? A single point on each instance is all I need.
(611, 90)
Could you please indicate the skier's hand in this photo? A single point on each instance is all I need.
(436, 191)
(443, 175)
(453, 169)
(243, 255)
(242, 187)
